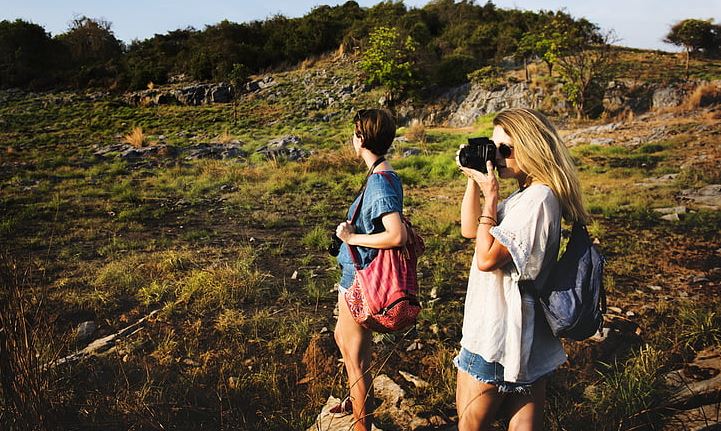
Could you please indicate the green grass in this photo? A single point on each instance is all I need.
(228, 346)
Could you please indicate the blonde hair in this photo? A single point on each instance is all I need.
(541, 154)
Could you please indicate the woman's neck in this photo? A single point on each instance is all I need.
(369, 158)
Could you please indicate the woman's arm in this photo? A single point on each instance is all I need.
(470, 209)
(394, 235)
(490, 254)
(476, 221)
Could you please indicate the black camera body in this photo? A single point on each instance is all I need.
(477, 153)
(335, 243)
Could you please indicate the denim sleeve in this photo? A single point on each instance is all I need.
(385, 197)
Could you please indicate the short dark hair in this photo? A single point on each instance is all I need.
(377, 128)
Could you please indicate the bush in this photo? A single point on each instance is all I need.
(704, 95)
(453, 69)
(487, 77)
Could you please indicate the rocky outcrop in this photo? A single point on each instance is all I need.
(194, 95)
(392, 401)
(281, 148)
(160, 151)
(461, 106)
(708, 197)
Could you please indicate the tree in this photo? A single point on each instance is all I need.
(28, 56)
(388, 61)
(585, 70)
(695, 35)
(95, 53)
(556, 34)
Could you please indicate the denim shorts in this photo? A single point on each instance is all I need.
(488, 372)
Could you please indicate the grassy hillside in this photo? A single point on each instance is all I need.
(242, 343)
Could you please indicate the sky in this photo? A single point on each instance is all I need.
(638, 23)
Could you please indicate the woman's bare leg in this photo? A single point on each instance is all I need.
(477, 403)
(526, 411)
(355, 344)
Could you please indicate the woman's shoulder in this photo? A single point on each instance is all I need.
(534, 196)
(387, 179)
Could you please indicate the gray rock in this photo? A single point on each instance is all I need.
(194, 95)
(392, 402)
(671, 210)
(704, 384)
(411, 152)
(85, 332)
(280, 148)
(667, 97)
(327, 422)
(214, 151)
(708, 197)
(601, 141)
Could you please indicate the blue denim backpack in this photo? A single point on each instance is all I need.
(573, 298)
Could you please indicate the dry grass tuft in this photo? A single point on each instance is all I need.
(136, 138)
(416, 131)
(704, 95)
(714, 114)
(28, 387)
(225, 138)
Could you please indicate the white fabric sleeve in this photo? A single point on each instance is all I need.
(524, 230)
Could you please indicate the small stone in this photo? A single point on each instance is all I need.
(324, 329)
(671, 210)
(417, 382)
(630, 314)
(655, 288)
(671, 217)
(415, 345)
(601, 335)
(294, 276)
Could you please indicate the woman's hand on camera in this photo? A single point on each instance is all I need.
(458, 160)
(344, 231)
(488, 183)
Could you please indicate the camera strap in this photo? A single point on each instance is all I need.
(362, 190)
(356, 212)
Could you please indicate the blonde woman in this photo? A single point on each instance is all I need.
(507, 349)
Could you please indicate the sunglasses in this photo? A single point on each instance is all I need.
(505, 150)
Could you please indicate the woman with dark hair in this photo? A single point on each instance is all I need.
(507, 348)
(378, 226)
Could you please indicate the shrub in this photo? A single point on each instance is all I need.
(699, 327)
(487, 77)
(629, 394)
(704, 95)
(416, 131)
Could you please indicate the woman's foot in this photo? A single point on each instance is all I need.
(344, 408)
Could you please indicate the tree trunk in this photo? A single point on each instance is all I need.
(688, 54)
(550, 67)
(525, 68)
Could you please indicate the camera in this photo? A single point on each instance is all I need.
(335, 243)
(477, 153)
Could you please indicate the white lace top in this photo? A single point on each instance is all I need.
(499, 323)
